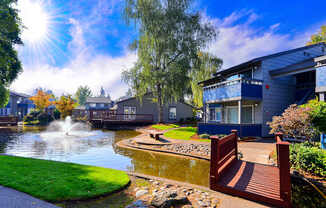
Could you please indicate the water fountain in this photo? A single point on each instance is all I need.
(67, 128)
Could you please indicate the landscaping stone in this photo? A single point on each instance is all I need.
(141, 193)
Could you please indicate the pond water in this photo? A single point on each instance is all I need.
(99, 148)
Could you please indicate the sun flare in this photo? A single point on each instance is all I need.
(35, 20)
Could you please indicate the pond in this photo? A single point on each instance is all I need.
(99, 148)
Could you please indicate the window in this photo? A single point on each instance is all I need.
(215, 114)
(93, 105)
(130, 113)
(247, 115)
(232, 115)
(172, 113)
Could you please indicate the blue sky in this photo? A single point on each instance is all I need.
(70, 43)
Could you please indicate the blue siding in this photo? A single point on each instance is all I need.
(321, 76)
(238, 90)
(282, 91)
(244, 130)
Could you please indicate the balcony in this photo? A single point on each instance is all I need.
(237, 89)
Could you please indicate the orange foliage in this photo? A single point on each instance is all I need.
(65, 105)
(41, 100)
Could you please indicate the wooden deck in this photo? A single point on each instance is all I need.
(101, 118)
(8, 120)
(258, 182)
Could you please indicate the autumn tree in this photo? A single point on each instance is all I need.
(169, 38)
(65, 105)
(10, 30)
(205, 67)
(42, 100)
(320, 37)
(82, 93)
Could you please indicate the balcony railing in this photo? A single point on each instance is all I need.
(237, 88)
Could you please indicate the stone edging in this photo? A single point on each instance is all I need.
(124, 145)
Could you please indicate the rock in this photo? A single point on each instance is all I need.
(173, 194)
(137, 204)
(163, 202)
(141, 193)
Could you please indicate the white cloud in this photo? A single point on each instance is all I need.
(100, 71)
(238, 41)
(84, 68)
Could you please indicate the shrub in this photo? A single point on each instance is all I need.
(204, 136)
(56, 114)
(308, 157)
(44, 118)
(295, 122)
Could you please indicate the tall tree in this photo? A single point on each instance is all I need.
(319, 37)
(65, 105)
(42, 100)
(10, 30)
(205, 67)
(102, 92)
(82, 93)
(170, 35)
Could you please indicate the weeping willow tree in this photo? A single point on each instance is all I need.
(205, 67)
(169, 38)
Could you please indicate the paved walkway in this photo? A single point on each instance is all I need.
(10, 198)
(257, 151)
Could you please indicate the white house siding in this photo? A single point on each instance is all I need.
(281, 92)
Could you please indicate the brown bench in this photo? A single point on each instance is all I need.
(155, 135)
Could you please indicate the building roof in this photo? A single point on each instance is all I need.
(256, 61)
(98, 100)
(131, 98)
(252, 63)
(301, 66)
(13, 93)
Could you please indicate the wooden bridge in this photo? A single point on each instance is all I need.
(8, 120)
(100, 118)
(263, 183)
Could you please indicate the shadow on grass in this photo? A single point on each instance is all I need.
(58, 181)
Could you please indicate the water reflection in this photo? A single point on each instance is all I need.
(98, 148)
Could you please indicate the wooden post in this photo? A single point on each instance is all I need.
(214, 162)
(235, 132)
(90, 115)
(283, 162)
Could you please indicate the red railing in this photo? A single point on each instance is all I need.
(283, 163)
(224, 152)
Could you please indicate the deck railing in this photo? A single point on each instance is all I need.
(9, 120)
(106, 115)
(235, 81)
(224, 151)
(283, 163)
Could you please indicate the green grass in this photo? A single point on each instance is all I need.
(184, 133)
(58, 181)
(164, 126)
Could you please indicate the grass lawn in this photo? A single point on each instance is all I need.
(164, 126)
(58, 181)
(184, 133)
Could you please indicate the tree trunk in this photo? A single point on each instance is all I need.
(159, 104)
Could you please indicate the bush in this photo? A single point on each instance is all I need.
(295, 122)
(308, 157)
(56, 114)
(44, 118)
(204, 136)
